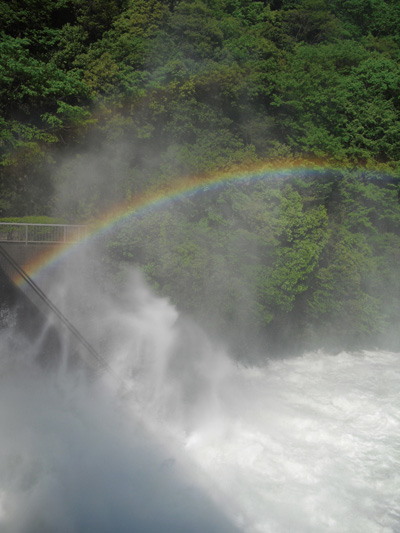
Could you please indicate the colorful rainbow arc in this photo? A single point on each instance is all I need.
(178, 189)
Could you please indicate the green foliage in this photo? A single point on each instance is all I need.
(313, 260)
(103, 100)
(378, 17)
(96, 16)
(302, 235)
(311, 21)
(340, 101)
(214, 83)
(34, 220)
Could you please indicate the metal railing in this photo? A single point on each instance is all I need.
(42, 233)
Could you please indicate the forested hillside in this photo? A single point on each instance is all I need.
(101, 100)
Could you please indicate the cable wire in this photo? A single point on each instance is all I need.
(100, 360)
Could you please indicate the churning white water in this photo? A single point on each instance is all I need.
(194, 441)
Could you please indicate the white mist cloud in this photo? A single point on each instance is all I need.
(75, 459)
(192, 442)
(76, 456)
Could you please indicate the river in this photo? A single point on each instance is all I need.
(188, 439)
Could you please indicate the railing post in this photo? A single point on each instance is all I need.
(34, 233)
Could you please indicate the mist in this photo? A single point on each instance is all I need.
(79, 454)
(241, 372)
(183, 437)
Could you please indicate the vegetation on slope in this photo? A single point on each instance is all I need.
(102, 100)
(291, 263)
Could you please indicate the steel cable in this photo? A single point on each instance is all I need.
(72, 329)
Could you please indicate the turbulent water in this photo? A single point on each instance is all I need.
(188, 440)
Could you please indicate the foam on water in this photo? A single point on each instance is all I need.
(195, 441)
(311, 444)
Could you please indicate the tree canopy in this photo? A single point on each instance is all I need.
(103, 100)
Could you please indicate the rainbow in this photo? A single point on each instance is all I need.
(177, 189)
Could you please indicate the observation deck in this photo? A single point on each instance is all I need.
(25, 242)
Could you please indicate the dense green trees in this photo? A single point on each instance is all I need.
(39, 101)
(209, 84)
(294, 262)
(101, 100)
(340, 101)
